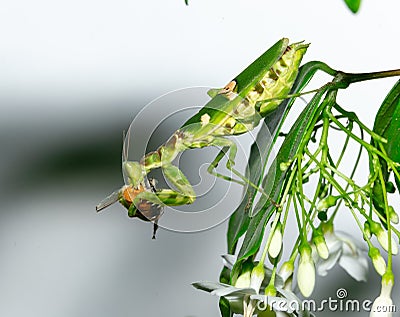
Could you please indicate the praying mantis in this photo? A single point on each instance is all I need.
(233, 110)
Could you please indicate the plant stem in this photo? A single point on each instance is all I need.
(350, 78)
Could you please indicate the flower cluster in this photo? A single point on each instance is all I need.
(252, 291)
(306, 164)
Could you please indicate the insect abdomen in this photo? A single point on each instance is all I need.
(278, 81)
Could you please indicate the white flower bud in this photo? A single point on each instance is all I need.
(270, 290)
(381, 307)
(284, 166)
(383, 240)
(286, 270)
(321, 246)
(257, 277)
(383, 304)
(243, 281)
(377, 260)
(276, 242)
(306, 271)
(394, 217)
(367, 230)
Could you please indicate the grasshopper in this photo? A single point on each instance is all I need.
(232, 110)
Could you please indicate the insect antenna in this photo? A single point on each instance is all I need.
(125, 147)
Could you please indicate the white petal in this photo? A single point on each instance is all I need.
(243, 280)
(330, 238)
(334, 245)
(323, 266)
(233, 292)
(356, 267)
(234, 295)
(209, 286)
(335, 249)
(354, 243)
(228, 260)
(221, 289)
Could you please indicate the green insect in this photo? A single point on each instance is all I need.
(232, 110)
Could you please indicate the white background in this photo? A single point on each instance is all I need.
(73, 75)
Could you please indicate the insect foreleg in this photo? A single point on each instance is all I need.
(183, 195)
(132, 210)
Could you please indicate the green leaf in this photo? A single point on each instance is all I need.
(224, 277)
(225, 308)
(275, 178)
(392, 134)
(240, 219)
(387, 125)
(384, 117)
(353, 5)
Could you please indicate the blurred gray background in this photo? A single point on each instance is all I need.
(73, 76)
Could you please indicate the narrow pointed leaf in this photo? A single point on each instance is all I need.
(353, 5)
(387, 125)
(225, 308)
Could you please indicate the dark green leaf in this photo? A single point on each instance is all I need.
(224, 277)
(353, 5)
(239, 221)
(385, 113)
(392, 135)
(225, 308)
(387, 125)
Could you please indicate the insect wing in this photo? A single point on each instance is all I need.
(109, 200)
(149, 210)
